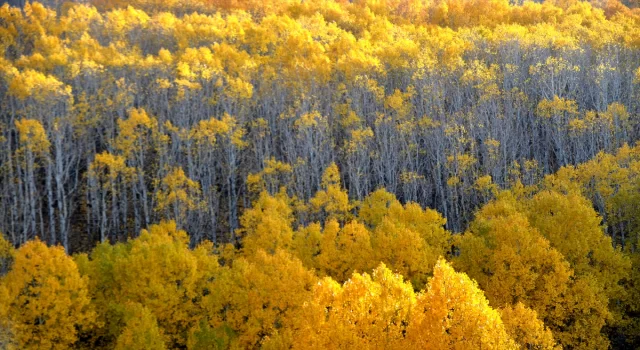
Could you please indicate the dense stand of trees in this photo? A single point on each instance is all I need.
(326, 173)
(110, 112)
(545, 276)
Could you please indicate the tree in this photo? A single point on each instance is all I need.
(140, 331)
(267, 225)
(256, 297)
(453, 313)
(46, 299)
(109, 179)
(610, 181)
(344, 250)
(513, 262)
(583, 242)
(156, 270)
(523, 325)
(134, 142)
(7, 254)
(34, 145)
(407, 238)
(179, 196)
(332, 202)
(367, 311)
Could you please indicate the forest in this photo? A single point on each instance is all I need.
(311, 174)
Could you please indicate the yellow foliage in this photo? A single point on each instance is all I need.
(400, 102)
(453, 181)
(367, 311)
(332, 201)
(557, 107)
(140, 331)
(345, 250)
(239, 89)
(583, 243)
(523, 325)
(257, 295)
(483, 79)
(178, 193)
(156, 270)
(461, 162)
(454, 314)
(131, 137)
(609, 179)
(376, 206)
(7, 253)
(307, 244)
(485, 184)
(512, 261)
(267, 225)
(346, 68)
(208, 131)
(518, 256)
(407, 238)
(33, 136)
(111, 166)
(46, 300)
(270, 178)
(40, 87)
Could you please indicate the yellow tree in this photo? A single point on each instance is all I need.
(376, 206)
(367, 311)
(407, 238)
(583, 242)
(34, 146)
(108, 177)
(306, 244)
(267, 225)
(141, 330)
(510, 260)
(611, 182)
(7, 254)
(344, 250)
(45, 299)
(6, 260)
(156, 270)
(513, 262)
(332, 202)
(178, 196)
(523, 325)
(271, 179)
(134, 141)
(255, 297)
(453, 313)
(573, 227)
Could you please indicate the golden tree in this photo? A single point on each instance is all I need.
(514, 262)
(344, 250)
(453, 313)
(523, 325)
(256, 297)
(141, 330)
(156, 270)
(332, 202)
(45, 299)
(367, 311)
(178, 195)
(267, 225)
(408, 238)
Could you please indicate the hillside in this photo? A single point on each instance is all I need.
(320, 174)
